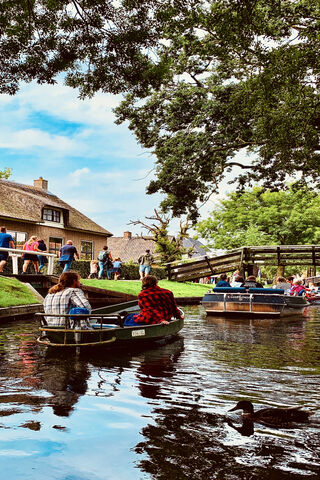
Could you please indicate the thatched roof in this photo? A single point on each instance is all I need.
(130, 248)
(25, 203)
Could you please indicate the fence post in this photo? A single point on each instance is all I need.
(15, 257)
(50, 265)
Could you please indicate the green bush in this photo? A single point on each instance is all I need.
(129, 271)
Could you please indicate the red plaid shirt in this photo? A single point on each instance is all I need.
(156, 304)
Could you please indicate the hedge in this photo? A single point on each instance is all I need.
(129, 271)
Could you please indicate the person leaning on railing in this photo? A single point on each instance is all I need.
(6, 241)
(63, 297)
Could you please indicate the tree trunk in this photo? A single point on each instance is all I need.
(280, 271)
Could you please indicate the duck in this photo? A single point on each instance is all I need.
(272, 416)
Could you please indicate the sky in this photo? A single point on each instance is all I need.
(89, 162)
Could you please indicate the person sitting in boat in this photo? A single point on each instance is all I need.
(157, 305)
(223, 282)
(297, 288)
(238, 282)
(63, 297)
(282, 283)
(251, 282)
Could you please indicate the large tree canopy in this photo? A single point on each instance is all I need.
(204, 81)
(288, 217)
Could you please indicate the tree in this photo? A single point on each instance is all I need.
(5, 173)
(245, 80)
(98, 44)
(204, 82)
(168, 248)
(264, 218)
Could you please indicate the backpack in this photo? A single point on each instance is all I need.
(101, 255)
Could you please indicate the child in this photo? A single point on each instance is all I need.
(297, 288)
(117, 268)
(93, 269)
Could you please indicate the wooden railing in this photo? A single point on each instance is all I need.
(15, 253)
(245, 258)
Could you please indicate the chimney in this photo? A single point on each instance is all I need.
(127, 235)
(41, 184)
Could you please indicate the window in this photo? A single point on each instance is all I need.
(86, 250)
(51, 215)
(55, 244)
(19, 238)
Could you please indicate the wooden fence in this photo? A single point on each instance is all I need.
(245, 259)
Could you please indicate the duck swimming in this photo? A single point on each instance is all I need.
(272, 416)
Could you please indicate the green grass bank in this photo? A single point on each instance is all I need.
(133, 287)
(13, 293)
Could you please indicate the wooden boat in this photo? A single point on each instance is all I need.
(106, 331)
(252, 302)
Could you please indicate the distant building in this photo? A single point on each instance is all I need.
(32, 210)
(131, 247)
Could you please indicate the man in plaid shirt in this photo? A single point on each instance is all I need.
(62, 297)
(157, 305)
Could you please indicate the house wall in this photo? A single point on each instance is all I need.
(44, 232)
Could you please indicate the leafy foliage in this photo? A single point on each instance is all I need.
(6, 173)
(264, 218)
(206, 83)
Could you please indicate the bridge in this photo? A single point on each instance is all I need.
(247, 260)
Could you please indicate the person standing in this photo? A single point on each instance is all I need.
(6, 241)
(117, 264)
(30, 246)
(105, 262)
(67, 254)
(41, 258)
(145, 262)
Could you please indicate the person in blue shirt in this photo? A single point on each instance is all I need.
(6, 241)
(223, 282)
(67, 254)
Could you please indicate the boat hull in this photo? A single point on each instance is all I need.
(252, 304)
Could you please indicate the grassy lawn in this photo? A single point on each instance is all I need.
(133, 287)
(13, 292)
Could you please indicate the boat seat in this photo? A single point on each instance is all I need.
(229, 290)
(269, 291)
(104, 325)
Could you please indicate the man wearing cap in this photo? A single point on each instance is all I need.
(145, 262)
(6, 241)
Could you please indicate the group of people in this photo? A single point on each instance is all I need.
(291, 285)
(105, 263)
(238, 281)
(157, 305)
(33, 244)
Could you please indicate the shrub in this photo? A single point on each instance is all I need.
(129, 271)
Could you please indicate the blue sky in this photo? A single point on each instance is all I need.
(89, 162)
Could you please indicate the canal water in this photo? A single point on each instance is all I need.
(162, 413)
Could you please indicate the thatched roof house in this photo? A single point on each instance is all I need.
(32, 210)
(130, 248)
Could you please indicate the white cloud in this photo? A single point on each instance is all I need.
(30, 138)
(63, 102)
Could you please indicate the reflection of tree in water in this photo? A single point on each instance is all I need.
(190, 444)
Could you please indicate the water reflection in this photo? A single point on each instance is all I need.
(162, 413)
